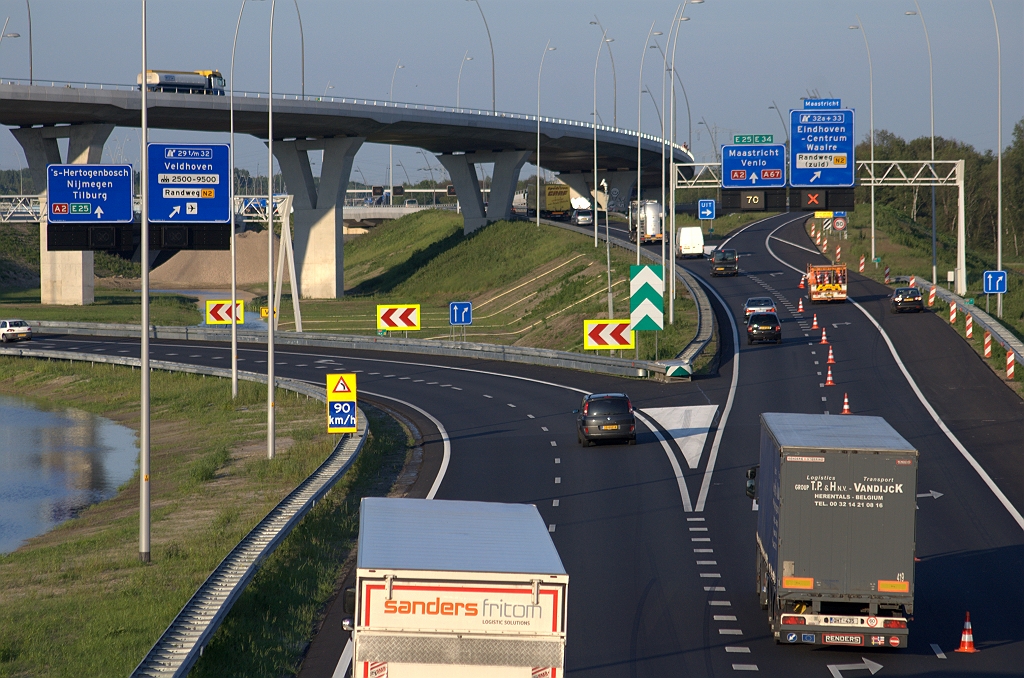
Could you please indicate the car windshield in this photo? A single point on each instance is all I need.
(725, 255)
(763, 319)
(908, 292)
(583, 213)
(605, 406)
(758, 303)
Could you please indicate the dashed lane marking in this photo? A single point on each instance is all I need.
(530, 416)
(700, 538)
(703, 550)
(543, 428)
(558, 480)
(487, 396)
(714, 588)
(695, 520)
(511, 405)
(744, 667)
(710, 575)
(554, 502)
(730, 632)
(554, 444)
(725, 617)
(698, 529)
(720, 603)
(938, 651)
(707, 562)
(738, 649)
(551, 527)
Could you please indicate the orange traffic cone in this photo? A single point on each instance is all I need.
(967, 637)
(800, 304)
(814, 325)
(831, 358)
(846, 404)
(824, 339)
(802, 278)
(828, 377)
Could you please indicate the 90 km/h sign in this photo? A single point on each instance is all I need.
(341, 403)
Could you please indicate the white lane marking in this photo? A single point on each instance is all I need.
(705, 486)
(730, 632)
(707, 562)
(530, 416)
(703, 550)
(744, 667)
(698, 529)
(216, 357)
(511, 405)
(345, 661)
(304, 365)
(700, 538)
(554, 444)
(399, 379)
(720, 603)
(725, 617)
(710, 575)
(714, 588)
(938, 651)
(456, 388)
(417, 381)
(429, 383)
(487, 396)
(737, 649)
(445, 440)
(372, 373)
(688, 426)
(551, 527)
(1010, 508)
(554, 502)
(695, 520)
(543, 428)
(558, 460)
(445, 385)
(824, 399)
(684, 494)
(558, 480)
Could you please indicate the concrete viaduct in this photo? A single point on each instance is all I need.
(461, 138)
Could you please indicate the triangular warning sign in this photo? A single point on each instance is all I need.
(341, 387)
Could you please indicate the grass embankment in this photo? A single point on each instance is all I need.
(111, 306)
(530, 286)
(77, 602)
(724, 224)
(906, 248)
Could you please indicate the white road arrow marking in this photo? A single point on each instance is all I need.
(99, 212)
(866, 664)
(836, 325)
(176, 210)
(932, 493)
(816, 175)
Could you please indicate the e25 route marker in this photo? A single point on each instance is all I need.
(218, 312)
(341, 403)
(607, 334)
(398, 317)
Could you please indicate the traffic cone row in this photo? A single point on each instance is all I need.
(828, 377)
(846, 403)
(802, 278)
(800, 305)
(824, 339)
(814, 324)
(831, 358)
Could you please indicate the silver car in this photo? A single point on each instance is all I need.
(582, 218)
(758, 305)
(13, 330)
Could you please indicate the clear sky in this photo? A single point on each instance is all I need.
(735, 58)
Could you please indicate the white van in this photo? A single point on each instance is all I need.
(690, 242)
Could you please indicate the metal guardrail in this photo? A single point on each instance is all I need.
(682, 366)
(621, 367)
(180, 646)
(986, 322)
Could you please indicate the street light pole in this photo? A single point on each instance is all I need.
(615, 84)
(144, 437)
(672, 197)
(931, 101)
(302, 47)
(784, 128)
(271, 317)
(639, 124)
(999, 161)
(458, 85)
(31, 77)
(391, 147)
(494, 108)
(547, 48)
(604, 39)
(231, 202)
(871, 100)
(608, 252)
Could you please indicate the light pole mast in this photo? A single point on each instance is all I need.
(615, 84)
(144, 436)
(639, 124)
(231, 202)
(931, 101)
(604, 38)
(547, 48)
(871, 100)
(494, 108)
(391, 147)
(999, 160)
(271, 317)
(458, 84)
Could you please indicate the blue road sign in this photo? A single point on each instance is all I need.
(994, 282)
(753, 166)
(818, 104)
(706, 209)
(821, 150)
(460, 313)
(342, 414)
(189, 182)
(94, 194)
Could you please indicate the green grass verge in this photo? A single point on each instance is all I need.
(724, 224)
(530, 285)
(111, 306)
(76, 601)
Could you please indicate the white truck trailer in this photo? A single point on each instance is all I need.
(456, 589)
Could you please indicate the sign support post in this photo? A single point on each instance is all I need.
(144, 349)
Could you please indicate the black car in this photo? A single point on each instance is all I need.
(906, 299)
(605, 416)
(764, 327)
(724, 262)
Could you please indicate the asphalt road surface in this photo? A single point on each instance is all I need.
(657, 590)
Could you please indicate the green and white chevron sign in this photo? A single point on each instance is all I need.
(646, 298)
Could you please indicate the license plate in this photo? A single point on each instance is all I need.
(764, 327)
(848, 621)
(610, 427)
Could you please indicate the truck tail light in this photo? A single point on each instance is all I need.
(895, 624)
(793, 620)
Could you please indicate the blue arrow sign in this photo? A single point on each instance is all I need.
(706, 209)
(821, 150)
(753, 166)
(93, 194)
(189, 182)
(460, 313)
(994, 282)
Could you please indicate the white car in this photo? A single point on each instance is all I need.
(13, 330)
(758, 305)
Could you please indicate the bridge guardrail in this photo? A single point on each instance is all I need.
(621, 367)
(181, 644)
